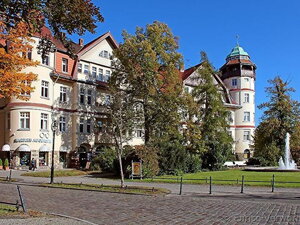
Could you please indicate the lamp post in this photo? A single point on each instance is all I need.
(54, 128)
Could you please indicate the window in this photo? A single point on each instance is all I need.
(28, 84)
(247, 98)
(186, 89)
(88, 126)
(139, 133)
(24, 120)
(100, 125)
(94, 72)
(246, 79)
(8, 121)
(45, 89)
(27, 55)
(45, 60)
(86, 69)
(62, 124)
(247, 135)
(100, 74)
(79, 68)
(44, 121)
(81, 125)
(81, 97)
(107, 99)
(104, 54)
(89, 97)
(234, 82)
(63, 94)
(64, 65)
(230, 117)
(107, 75)
(247, 116)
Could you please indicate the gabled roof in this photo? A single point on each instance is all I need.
(186, 73)
(96, 41)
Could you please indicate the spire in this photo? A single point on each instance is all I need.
(237, 40)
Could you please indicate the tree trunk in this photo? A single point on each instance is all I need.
(121, 168)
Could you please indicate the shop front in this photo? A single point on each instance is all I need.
(5, 152)
(24, 155)
(44, 156)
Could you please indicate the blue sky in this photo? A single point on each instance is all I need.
(269, 31)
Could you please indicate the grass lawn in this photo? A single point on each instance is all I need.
(7, 212)
(57, 173)
(236, 178)
(112, 188)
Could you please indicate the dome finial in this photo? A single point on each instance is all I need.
(237, 40)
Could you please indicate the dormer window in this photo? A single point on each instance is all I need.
(234, 82)
(65, 65)
(104, 54)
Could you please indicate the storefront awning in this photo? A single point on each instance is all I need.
(6, 148)
(24, 148)
(44, 148)
(63, 149)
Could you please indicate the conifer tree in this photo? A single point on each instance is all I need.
(212, 117)
(281, 115)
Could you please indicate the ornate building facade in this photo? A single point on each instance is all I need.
(73, 92)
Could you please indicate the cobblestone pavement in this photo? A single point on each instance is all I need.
(113, 208)
(39, 221)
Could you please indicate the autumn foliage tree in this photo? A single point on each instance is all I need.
(13, 60)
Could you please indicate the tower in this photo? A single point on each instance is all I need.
(238, 75)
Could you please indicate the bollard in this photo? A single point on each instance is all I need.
(210, 185)
(273, 182)
(242, 187)
(10, 175)
(180, 190)
(21, 199)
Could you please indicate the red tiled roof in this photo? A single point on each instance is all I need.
(186, 73)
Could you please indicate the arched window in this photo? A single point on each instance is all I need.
(246, 154)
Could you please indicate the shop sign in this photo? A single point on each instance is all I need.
(136, 169)
(29, 140)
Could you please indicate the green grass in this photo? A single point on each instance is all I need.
(235, 175)
(57, 173)
(7, 211)
(112, 188)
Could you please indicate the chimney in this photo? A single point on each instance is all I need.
(80, 41)
(182, 67)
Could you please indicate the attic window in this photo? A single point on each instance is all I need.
(104, 54)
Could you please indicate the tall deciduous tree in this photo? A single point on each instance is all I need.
(281, 115)
(212, 116)
(20, 19)
(151, 62)
(13, 59)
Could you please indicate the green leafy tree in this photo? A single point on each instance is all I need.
(149, 69)
(212, 117)
(281, 115)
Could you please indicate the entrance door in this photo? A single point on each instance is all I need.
(82, 159)
(24, 158)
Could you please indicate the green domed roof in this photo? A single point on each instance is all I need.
(237, 50)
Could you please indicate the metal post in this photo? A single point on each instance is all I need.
(210, 185)
(180, 190)
(10, 175)
(21, 199)
(54, 127)
(273, 182)
(242, 187)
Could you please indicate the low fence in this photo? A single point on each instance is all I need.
(210, 181)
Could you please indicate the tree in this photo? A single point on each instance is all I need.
(212, 117)
(124, 117)
(151, 62)
(21, 19)
(281, 115)
(13, 59)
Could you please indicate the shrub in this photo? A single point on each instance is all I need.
(104, 161)
(6, 163)
(1, 163)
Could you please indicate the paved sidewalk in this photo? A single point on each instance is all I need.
(188, 189)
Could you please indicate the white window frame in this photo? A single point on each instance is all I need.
(46, 60)
(24, 120)
(247, 117)
(82, 96)
(94, 72)
(246, 98)
(63, 94)
(100, 74)
(88, 126)
(79, 68)
(89, 96)
(107, 75)
(45, 89)
(81, 125)
(64, 66)
(247, 135)
(62, 124)
(86, 69)
(44, 121)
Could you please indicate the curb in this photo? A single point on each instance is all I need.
(71, 217)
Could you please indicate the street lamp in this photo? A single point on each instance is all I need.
(54, 128)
